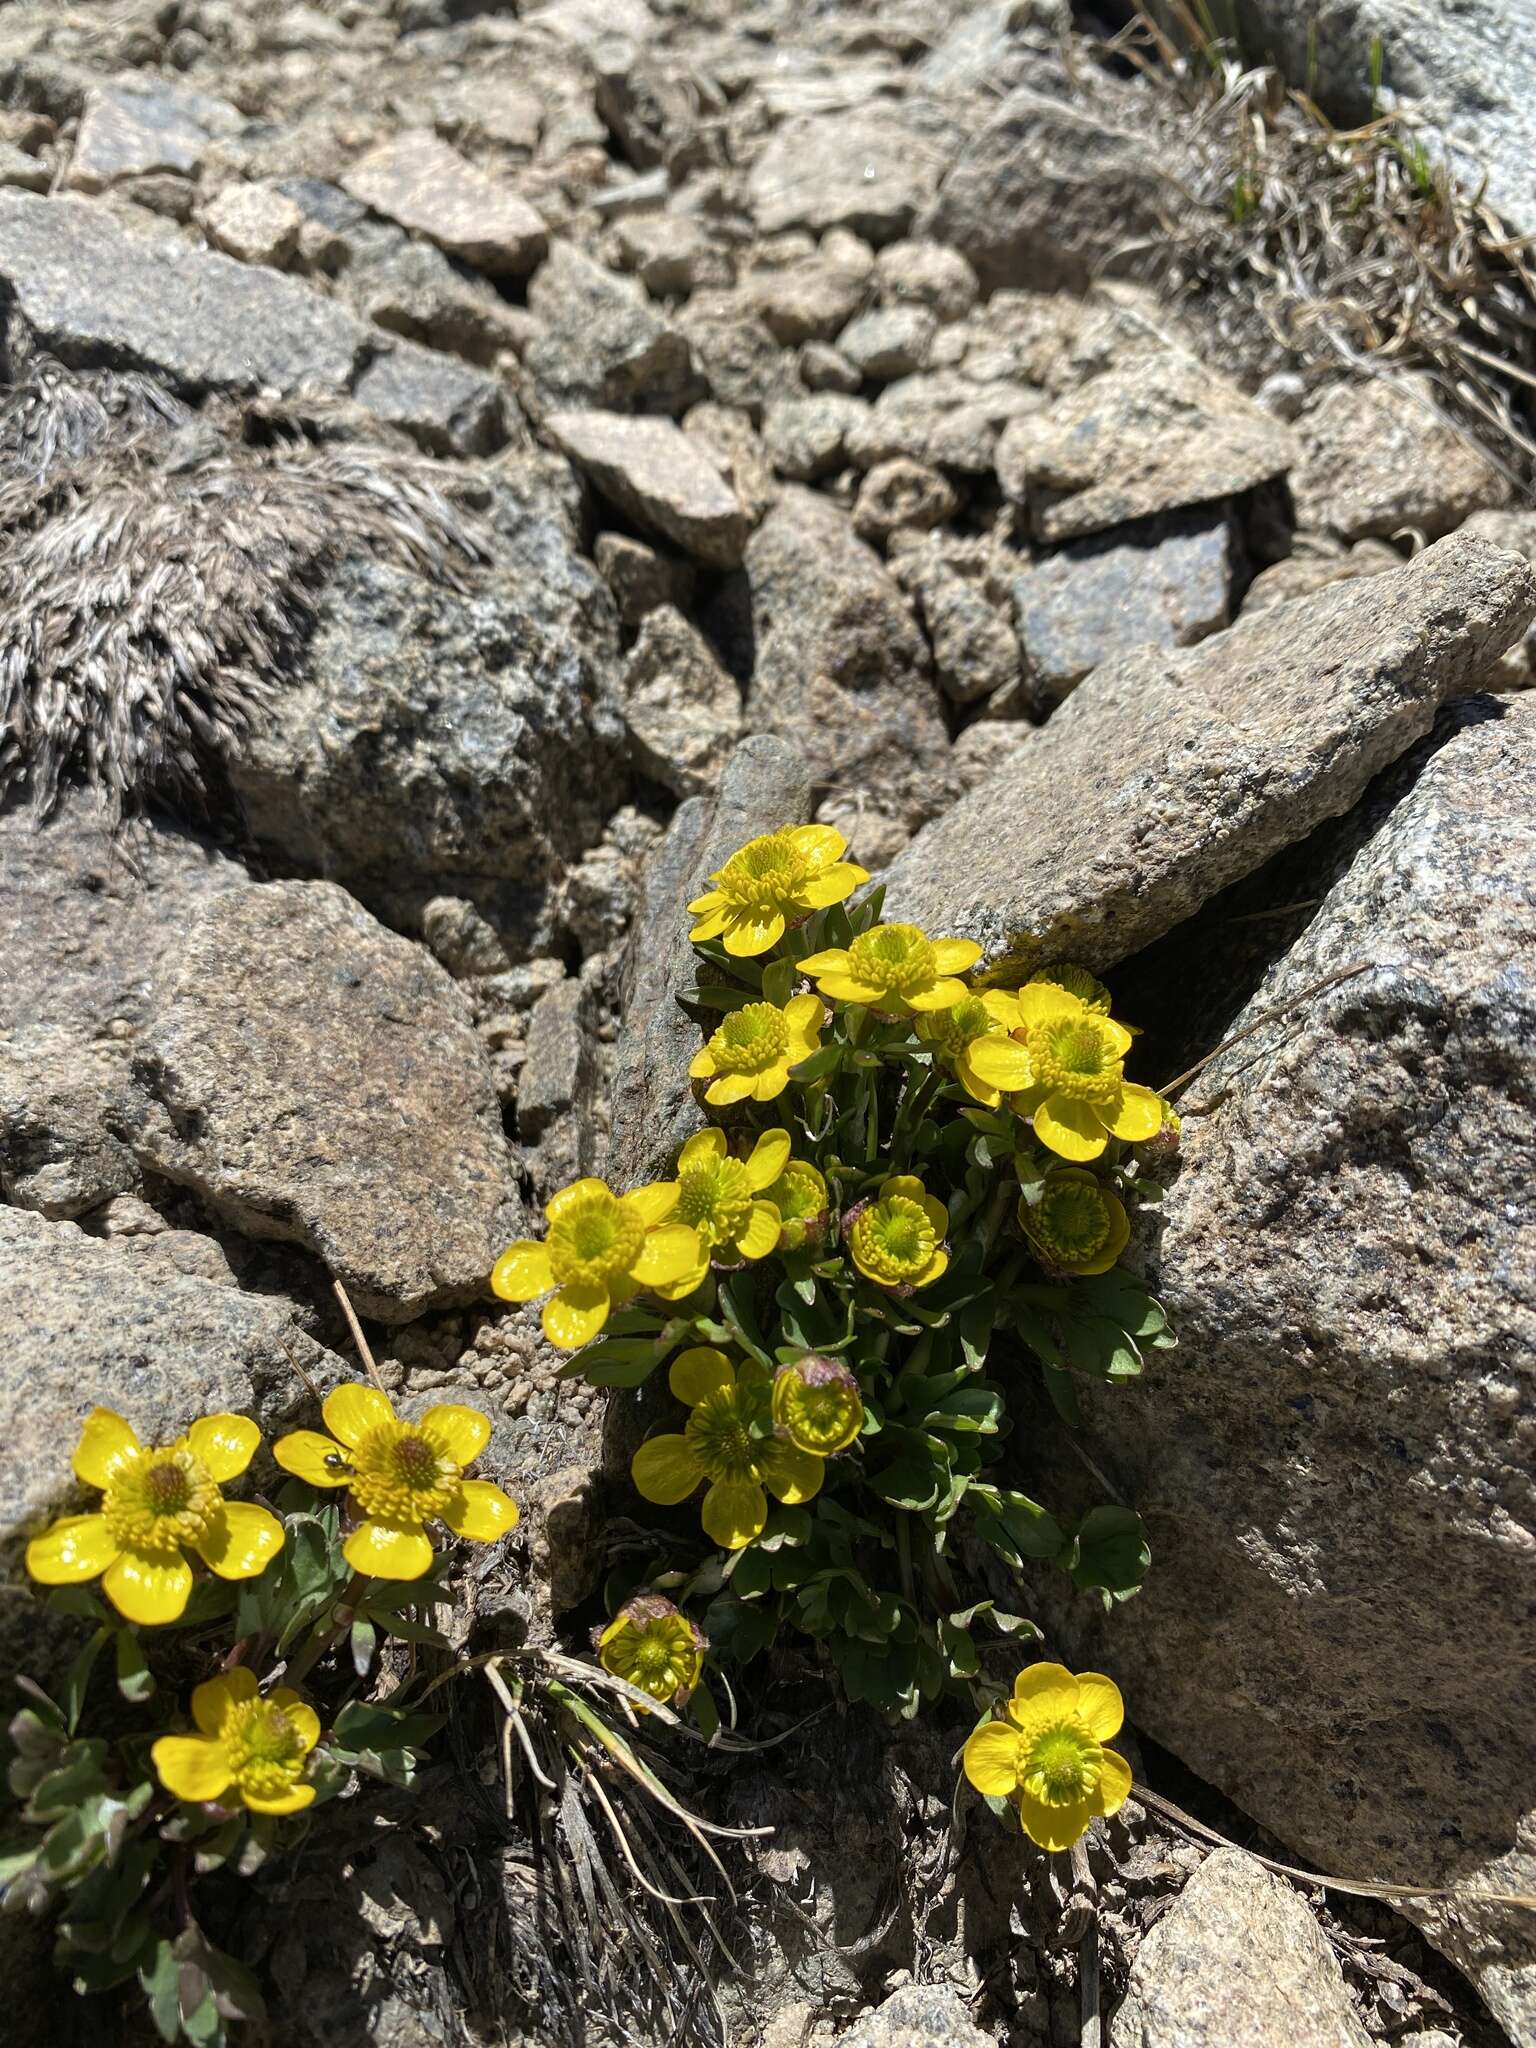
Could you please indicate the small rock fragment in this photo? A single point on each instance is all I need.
(640, 577)
(901, 494)
(670, 254)
(603, 342)
(890, 341)
(866, 170)
(807, 438)
(661, 477)
(825, 368)
(129, 130)
(1379, 458)
(927, 274)
(1316, 562)
(420, 182)
(557, 1065)
(254, 224)
(681, 708)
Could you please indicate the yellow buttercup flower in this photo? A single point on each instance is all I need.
(954, 1033)
(253, 1748)
(1047, 1754)
(156, 1504)
(896, 968)
(771, 883)
(600, 1249)
(817, 1406)
(1077, 1093)
(401, 1475)
(652, 1644)
(728, 1442)
(752, 1052)
(800, 1196)
(897, 1240)
(1077, 981)
(1076, 1226)
(721, 1198)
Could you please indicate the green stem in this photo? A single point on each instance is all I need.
(325, 1638)
(909, 1119)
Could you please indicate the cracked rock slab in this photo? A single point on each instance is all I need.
(419, 182)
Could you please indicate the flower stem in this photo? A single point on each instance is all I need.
(323, 1639)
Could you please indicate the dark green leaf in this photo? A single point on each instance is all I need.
(1111, 1555)
(135, 1681)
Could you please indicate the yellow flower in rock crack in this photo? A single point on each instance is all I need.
(897, 1240)
(156, 1504)
(600, 1249)
(800, 1196)
(772, 882)
(816, 1404)
(253, 1747)
(721, 1198)
(652, 1644)
(896, 968)
(1077, 1092)
(953, 1034)
(753, 1050)
(401, 1475)
(1077, 981)
(1047, 1753)
(729, 1442)
(1076, 1226)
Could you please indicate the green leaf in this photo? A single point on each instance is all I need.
(825, 1060)
(911, 1480)
(1063, 1393)
(1100, 1348)
(361, 1725)
(968, 1408)
(616, 1362)
(1109, 1554)
(135, 1681)
(362, 1643)
(77, 1776)
(779, 978)
(716, 995)
(235, 1991)
(159, 1979)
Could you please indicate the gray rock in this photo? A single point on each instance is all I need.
(602, 342)
(841, 668)
(640, 577)
(825, 368)
(927, 274)
(869, 169)
(730, 440)
(918, 2016)
(1380, 459)
(807, 438)
(1338, 1475)
(254, 224)
(766, 784)
(943, 419)
(1151, 437)
(1515, 670)
(1317, 562)
(671, 253)
(810, 300)
(447, 407)
(418, 181)
(412, 289)
(681, 708)
(1166, 776)
(737, 357)
(557, 1069)
(902, 494)
(132, 130)
(17, 167)
(316, 1079)
(661, 477)
(889, 341)
(985, 49)
(464, 941)
(1237, 1961)
(975, 649)
(1165, 582)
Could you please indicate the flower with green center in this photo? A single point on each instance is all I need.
(653, 1645)
(1076, 1227)
(156, 1504)
(895, 968)
(729, 1442)
(600, 1249)
(773, 882)
(816, 1405)
(401, 1475)
(800, 1196)
(897, 1240)
(721, 1198)
(1047, 1754)
(1077, 981)
(953, 1034)
(248, 1748)
(1077, 1093)
(752, 1052)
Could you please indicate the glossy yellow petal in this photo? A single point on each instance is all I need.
(293, 1801)
(574, 1315)
(732, 1088)
(702, 1065)
(974, 1086)
(733, 1512)
(653, 1203)
(105, 1440)
(242, 1540)
(389, 1550)
(704, 1148)
(746, 936)
(1001, 1062)
(699, 1371)
(803, 1017)
(669, 1253)
(935, 1269)
(833, 885)
(1039, 1001)
(954, 956)
(710, 925)
(301, 1716)
(937, 1214)
(465, 1431)
(523, 1272)
(665, 1470)
(1114, 1786)
(575, 1196)
(792, 1475)
(1121, 1035)
(1099, 1705)
(710, 900)
(761, 1234)
(148, 1589)
(767, 1160)
(225, 1443)
(821, 843)
(842, 988)
(77, 1548)
(991, 1760)
(771, 1083)
(1002, 1005)
(481, 1511)
(1054, 1827)
(212, 1700)
(834, 960)
(304, 1452)
(1069, 1128)
(687, 1283)
(942, 994)
(1039, 1682)
(351, 1411)
(191, 1767)
(906, 1185)
(1137, 1116)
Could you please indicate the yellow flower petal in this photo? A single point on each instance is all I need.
(481, 1511)
(991, 1760)
(733, 1512)
(1119, 1237)
(710, 925)
(146, 1588)
(1002, 1005)
(523, 1272)
(687, 1283)
(974, 1086)
(665, 1470)
(105, 1440)
(304, 1452)
(576, 1196)
(1121, 1035)
(653, 1203)
(1001, 1062)
(699, 1371)
(746, 936)
(293, 1801)
(954, 956)
(212, 1700)
(767, 1160)
(1099, 1705)
(389, 1550)
(821, 843)
(771, 1083)
(702, 1065)
(669, 1253)
(937, 1214)
(710, 900)
(574, 1316)
(1138, 1115)
(1038, 1682)
(833, 885)
(842, 988)
(301, 1716)
(1114, 1786)
(225, 1443)
(1040, 1000)
(192, 1767)
(465, 1431)
(833, 961)
(351, 1411)
(790, 1474)
(906, 1185)
(704, 1148)
(803, 1016)
(1069, 1128)
(761, 1234)
(732, 1088)
(242, 1540)
(942, 994)
(1054, 1827)
(935, 1269)
(77, 1548)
